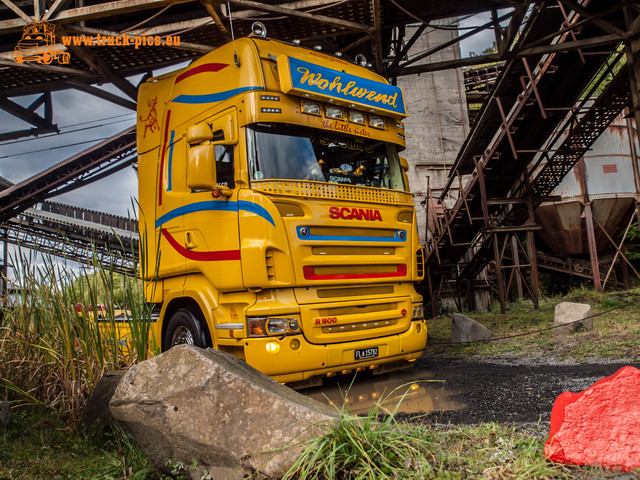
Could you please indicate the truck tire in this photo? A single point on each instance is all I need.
(184, 327)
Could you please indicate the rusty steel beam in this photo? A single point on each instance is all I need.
(27, 114)
(334, 22)
(18, 11)
(103, 68)
(114, 153)
(214, 10)
(103, 94)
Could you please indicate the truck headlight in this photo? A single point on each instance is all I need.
(264, 326)
(277, 325)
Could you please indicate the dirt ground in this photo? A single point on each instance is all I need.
(515, 390)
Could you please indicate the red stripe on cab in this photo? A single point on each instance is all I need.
(207, 67)
(210, 256)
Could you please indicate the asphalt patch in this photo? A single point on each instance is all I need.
(521, 393)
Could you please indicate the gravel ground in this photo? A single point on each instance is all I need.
(513, 390)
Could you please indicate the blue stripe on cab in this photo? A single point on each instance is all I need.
(196, 207)
(213, 97)
(213, 205)
(257, 209)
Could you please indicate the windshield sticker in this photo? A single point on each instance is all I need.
(258, 175)
(345, 128)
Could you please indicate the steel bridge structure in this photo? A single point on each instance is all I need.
(553, 56)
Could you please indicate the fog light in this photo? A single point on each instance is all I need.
(272, 347)
(310, 107)
(356, 117)
(335, 112)
(295, 344)
(376, 122)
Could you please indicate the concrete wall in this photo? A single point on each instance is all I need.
(437, 121)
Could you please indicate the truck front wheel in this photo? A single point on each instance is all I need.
(184, 328)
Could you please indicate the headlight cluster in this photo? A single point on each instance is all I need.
(264, 326)
(418, 312)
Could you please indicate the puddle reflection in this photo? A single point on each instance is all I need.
(422, 390)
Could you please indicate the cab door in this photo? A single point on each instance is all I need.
(211, 237)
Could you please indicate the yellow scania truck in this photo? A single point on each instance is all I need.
(275, 217)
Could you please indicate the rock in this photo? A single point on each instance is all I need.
(599, 426)
(567, 315)
(5, 413)
(206, 405)
(465, 330)
(98, 405)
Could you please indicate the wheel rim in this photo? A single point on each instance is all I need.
(182, 336)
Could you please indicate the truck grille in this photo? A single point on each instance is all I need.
(298, 188)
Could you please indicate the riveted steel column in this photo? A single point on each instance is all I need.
(531, 247)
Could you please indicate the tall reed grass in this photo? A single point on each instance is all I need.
(55, 342)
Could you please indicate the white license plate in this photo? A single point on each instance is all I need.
(364, 353)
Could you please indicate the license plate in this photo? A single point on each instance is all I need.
(364, 353)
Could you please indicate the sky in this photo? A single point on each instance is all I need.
(85, 120)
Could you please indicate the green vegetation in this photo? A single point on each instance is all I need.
(379, 447)
(55, 344)
(42, 443)
(616, 332)
(51, 358)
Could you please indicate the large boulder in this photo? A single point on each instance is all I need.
(599, 426)
(206, 405)
(97, 409)
(466, 330)
(570, 316)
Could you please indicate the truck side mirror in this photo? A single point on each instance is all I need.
(404, 164)
(199, 133)
(201, 167)
(226, 126)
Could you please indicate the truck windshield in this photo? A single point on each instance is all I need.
(292, 152)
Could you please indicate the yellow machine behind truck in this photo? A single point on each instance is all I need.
(275, 218)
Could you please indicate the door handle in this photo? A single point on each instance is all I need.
(190, 241)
